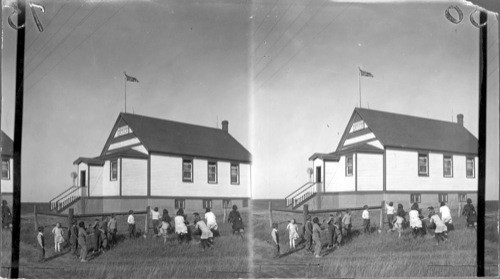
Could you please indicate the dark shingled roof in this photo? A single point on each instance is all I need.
(403, 131)
(7, 145)
(165, 136)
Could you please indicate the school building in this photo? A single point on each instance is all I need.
(163, 163)
(7, 152)
(393, 157)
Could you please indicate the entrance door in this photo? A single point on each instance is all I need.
(83, 178)
(318, 174)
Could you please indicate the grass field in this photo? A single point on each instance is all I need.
(373, 255)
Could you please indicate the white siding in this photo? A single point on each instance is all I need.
(95, 180)
(359, 139)
(166, 179)
(7, 185)
(402, 174)
(336, 180)
(134, 177)
(370, 172)
(110, 188)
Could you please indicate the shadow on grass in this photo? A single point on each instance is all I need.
(55, 256)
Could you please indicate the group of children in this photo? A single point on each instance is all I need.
(339, 225)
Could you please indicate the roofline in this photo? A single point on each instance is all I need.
(431, 150)
(407, 115)
(198, 157)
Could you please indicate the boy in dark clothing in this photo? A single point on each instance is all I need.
(40, 244)
(308, 231)
(470, 212)
(73, 238)
(276, 239)
(331, 231)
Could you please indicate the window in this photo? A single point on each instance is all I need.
(187, 170)
(235, 174)
(469, 165)
(6, 169)
(462, 197)
(207, 204)
(443, 197)
(212, 172)
(245, 203)
(423, 164)
(180, 204)
(113, 170)
(415, 198)
(348, 165)
(226, 203)
(447, 166)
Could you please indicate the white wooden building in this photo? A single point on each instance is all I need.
(393, 157)
(156, 162)
(7, 152)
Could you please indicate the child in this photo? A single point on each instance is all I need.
(206, 234)
(446, 216)
(402, 213)
(470, 212)
(73, 238)
(41, 244)
(155, 217)
(212, 222)
(276, 239)
(390, 214)
(58, 237)
(337, 223)
(346, 224)
(235, 219)
(112, 229)
(293, 233)
(366, 219)
(163, 227)
(415, 221)
(104, 236)
(180, 226)
(441, 231)
(316, 236)
(131, 224)
(82, 241)
(97, 237)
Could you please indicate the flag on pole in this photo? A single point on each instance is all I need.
(365, 73)
(130, 78)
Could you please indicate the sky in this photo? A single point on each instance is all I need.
(283, 73)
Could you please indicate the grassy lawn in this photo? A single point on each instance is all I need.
(134, 258)
(372, 255)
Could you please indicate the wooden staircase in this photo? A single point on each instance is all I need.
(66, 199)
(300, 196)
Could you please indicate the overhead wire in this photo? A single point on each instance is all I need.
(76, 47)
(66, 37)
(52, 36)
(265, 17)
(284, 32)
(304, 46)
(274, 25)
(291, 39)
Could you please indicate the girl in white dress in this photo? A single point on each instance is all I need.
(293, 233)
(180, 226)
(441, 230)
(415, 221)
(57, 231)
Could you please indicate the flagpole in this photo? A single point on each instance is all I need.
(359, 85)
(125, 86)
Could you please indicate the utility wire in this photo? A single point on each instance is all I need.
(307, 44)
(272, 28)
(284, 32)
(291, 40)
(265, 17)
(88, 36)
(50, 38)
(48, 24)
(66, 37)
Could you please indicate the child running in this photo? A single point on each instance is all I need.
(390, 214)
(131, 224)
(293, 233)
(180, 226)
(57, 231)
(206, 234)
(163, 227)
(441, 231)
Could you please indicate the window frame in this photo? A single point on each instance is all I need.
(473, 160)
(450, 157)
(462, 197)
(213, 163)
(179, 202)
(226, 203)
(442, 197)
(111, 163)
(7, 161)
(347, 157)
(191, 178)
(415, 198)
(207, 203)
(237, 165)
(426, 156)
